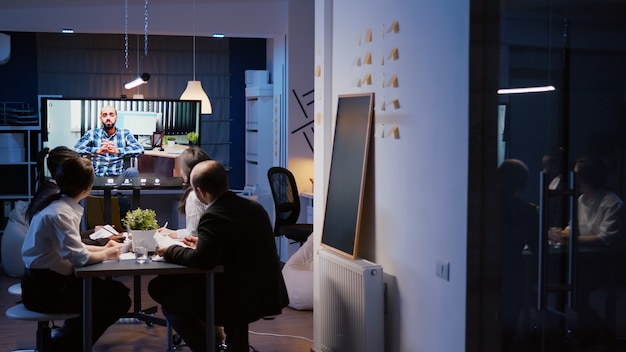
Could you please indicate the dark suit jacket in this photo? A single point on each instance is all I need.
(236, 233)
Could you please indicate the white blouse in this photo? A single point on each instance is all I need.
(194, 209)
(600, 215)
(53, 240)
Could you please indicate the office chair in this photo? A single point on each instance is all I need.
(94, 209)
(287, 206)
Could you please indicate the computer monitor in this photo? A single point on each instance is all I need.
(139, 123)
(65, 120)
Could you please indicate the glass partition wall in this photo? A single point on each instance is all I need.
(560, 244)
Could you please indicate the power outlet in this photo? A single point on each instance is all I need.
(443, 270)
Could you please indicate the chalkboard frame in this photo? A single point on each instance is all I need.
(346, 181)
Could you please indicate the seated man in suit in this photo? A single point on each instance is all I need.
(108, 146)
(235, 233)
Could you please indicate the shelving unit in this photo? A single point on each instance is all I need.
(259, 134)
(20, 142)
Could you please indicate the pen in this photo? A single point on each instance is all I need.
(104, 227)
(165, 226)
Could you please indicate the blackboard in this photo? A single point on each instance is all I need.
(346, 182)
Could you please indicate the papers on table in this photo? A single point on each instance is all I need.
(164, 240)
(105, 232)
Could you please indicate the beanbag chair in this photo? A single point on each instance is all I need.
(12, 240)
(298, 275)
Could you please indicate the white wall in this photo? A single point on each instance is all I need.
(416, 193)
(299, 96)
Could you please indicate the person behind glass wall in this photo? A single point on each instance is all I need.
(53, 248)
(235, 233)
(600, 215)
(552, 168)
(519, 225)
(109, 146)
(600, 210)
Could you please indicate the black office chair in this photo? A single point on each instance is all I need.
(287, 206)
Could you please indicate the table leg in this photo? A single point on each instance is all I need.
(107, 206)
(87, 328)
(137, 293)
(210, 319)
(136, 199)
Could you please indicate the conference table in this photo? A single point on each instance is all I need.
(131, 268)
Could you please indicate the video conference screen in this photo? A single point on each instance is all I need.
(65, 120)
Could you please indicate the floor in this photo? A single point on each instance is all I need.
(291, 331)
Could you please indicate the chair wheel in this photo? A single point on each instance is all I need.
(176, 339)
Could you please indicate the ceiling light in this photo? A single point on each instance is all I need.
(67, 30)
(218, 35)
(540, 89)
(194, 89)
(143, 79)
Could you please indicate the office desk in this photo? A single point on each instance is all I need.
(130, 268)
(161, 162)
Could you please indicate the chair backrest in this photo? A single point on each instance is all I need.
(94, 208)
(286, 196)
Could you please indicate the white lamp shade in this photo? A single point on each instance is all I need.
(194, 91)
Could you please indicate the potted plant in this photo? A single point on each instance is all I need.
(141, 219)
(192, 137)
(171, 140)
(141, 224)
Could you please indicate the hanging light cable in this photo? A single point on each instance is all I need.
(194, 89)
(144, 77)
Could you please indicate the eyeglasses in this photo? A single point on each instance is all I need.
(104, 114)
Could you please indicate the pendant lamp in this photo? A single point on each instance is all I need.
(143, 79)
(194, 89)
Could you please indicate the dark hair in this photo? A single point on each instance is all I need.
(513, 175)
(188, 159)
(54, 157)
(556, 157)
(592, 171)
(73, 176)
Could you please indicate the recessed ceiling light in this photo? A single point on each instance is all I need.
(67, 30)
(218, 35)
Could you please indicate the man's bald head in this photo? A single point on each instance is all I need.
(210, 176)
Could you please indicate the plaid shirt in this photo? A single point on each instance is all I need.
(108, 164)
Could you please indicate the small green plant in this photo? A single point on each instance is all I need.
(141, 219)
(192, 137)
(170, 138)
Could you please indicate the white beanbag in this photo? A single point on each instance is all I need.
(298, 274)
(12, 240)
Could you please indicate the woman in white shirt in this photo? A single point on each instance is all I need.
(53, 248)
(189, 204)
(600, 211)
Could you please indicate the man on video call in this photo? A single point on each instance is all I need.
(108, 146)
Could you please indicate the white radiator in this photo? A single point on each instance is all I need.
(351, 304)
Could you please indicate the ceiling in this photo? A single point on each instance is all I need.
(234, 18)
(244, 18)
